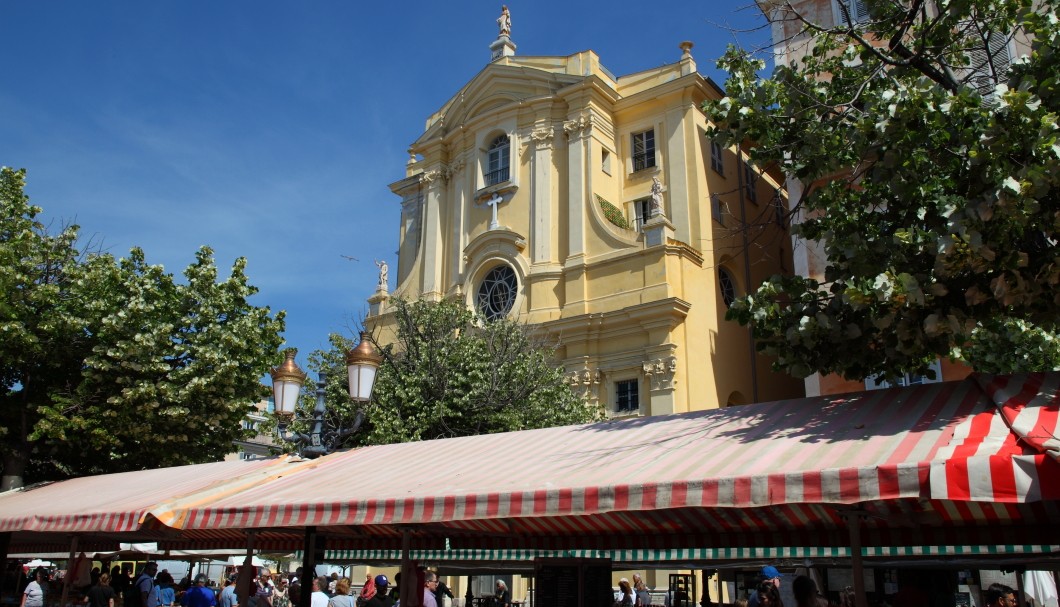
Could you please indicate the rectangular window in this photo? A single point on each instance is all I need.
(605, 161)
(750, 179)
(498, 161)
(641, 213)
(715, 158)
(643, 150)
(716, 209)
(627, 396)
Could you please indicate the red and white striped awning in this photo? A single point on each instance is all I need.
(941, 453)
(937, 464)
(112, 508)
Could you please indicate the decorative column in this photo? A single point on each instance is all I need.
(455, 177)
(578, 133)
(432, 236)
(542, 220)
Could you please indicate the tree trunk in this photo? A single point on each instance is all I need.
(14, 468)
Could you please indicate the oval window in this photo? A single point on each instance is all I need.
(496, 294)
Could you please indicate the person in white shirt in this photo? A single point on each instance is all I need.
(319, 598)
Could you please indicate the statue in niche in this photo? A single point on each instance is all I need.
(384, 272)
(504, 22)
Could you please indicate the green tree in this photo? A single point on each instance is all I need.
(451, 374)
(111, 364)
(930, 174)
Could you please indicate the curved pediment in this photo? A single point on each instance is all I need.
(501, 240)
(494, 88)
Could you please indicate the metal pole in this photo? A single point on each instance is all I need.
(857, 566)
(69, 572)
(1021, 597)
(5, 543)
(704, 600)
(469, 596)
(308, 568)
(248, 574)
(411, 593)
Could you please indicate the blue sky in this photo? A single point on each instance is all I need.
(270, 130)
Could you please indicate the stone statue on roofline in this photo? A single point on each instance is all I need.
(504, 22)
(384, 272)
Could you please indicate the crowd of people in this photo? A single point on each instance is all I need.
(153, 588)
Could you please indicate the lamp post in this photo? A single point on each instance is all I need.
(287, 381)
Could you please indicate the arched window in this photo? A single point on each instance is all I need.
(498, 161)
(728, 286)
(497, 293)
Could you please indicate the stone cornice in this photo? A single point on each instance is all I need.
(634, 319)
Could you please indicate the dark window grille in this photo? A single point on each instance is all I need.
(496, 294)
(627, 396)
(728, 286)
(643, 150)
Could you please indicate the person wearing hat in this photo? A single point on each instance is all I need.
(382, 598)
(770, 574)
(198, 595)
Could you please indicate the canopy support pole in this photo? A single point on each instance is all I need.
(5, 544)
(69, 571)
(469, 596)
(247, 573)
(1021, 596)
(704, 599)
(853, 520)
(411, 593)
(305, 583)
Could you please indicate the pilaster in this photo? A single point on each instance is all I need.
(433, 249)
(542, 219)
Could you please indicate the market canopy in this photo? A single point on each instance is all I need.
(956, 464)
(105, 510)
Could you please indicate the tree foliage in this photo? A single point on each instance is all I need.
(111, 364)
(452, 374)
(930, 176)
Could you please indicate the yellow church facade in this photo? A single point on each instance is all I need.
(596, 208)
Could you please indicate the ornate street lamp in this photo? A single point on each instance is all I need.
(287, 381)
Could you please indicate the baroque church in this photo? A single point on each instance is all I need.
(596, 208)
